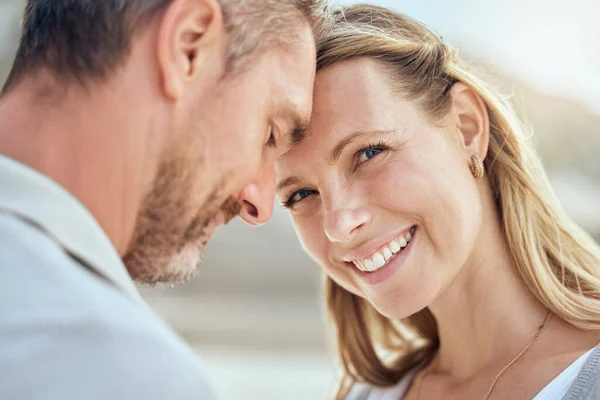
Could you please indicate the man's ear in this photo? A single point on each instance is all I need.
(192, 44)
(471, 120)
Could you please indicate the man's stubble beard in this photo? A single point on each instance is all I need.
(168, 244)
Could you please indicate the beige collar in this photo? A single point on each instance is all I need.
(35, 197)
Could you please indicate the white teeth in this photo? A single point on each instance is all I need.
(403, 242)
(395, 246)
(378, 260)
(387, 254)
(381, 258)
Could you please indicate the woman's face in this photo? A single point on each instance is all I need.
(383, 199)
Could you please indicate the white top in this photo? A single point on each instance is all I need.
(555, 390)
(72, 324)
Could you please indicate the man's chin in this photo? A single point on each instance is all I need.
(185, 265)
(169, 268)
(171, 258)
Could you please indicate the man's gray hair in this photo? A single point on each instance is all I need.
(256, 25)
(77, 40)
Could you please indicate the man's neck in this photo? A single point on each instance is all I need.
(78, 140)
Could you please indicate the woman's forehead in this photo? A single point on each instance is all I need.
(350, 85)
(346, 99)
(349, 97)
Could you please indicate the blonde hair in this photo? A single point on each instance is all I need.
(556, 259)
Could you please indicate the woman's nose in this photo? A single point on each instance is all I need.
(342, 224)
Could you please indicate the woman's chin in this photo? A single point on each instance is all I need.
(399, 305)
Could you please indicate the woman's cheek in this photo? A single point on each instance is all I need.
(399, 187)
(316, 244)
(312, 236)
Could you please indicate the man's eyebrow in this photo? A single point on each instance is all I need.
(298, 132)
(298, 123)
(284, 184)
(339, 148)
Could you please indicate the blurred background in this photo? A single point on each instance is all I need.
(255, 314)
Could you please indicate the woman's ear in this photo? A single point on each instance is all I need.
(470, 119)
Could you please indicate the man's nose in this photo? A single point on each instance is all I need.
(257, 198)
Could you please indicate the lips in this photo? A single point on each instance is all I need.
(368, 259)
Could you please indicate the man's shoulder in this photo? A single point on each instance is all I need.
(65, 330)
(38, 273)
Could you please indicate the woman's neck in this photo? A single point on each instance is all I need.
(487, 315)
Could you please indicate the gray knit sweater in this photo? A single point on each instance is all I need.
(587, 382)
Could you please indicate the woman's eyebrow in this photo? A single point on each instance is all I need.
(292, 180)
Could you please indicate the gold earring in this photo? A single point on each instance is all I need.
(477, 168)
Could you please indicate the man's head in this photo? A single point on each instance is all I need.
(215, 91)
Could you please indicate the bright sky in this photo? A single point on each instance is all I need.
(554, 45)
(6, 27)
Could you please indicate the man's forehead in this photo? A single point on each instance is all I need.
(297, 77)
(294, 89)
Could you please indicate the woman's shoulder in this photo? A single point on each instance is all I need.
(363, 391)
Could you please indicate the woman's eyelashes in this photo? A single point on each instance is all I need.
(362, 155)
(369, 151)
(296, 197)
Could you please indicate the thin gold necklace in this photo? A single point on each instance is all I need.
(507, 366)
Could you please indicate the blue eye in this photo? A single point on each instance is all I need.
(298, 196)
(369, 153)
(302, 194)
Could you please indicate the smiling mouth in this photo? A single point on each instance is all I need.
(386, 253)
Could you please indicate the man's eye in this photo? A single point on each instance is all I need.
(369, 153)
(272, 142)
